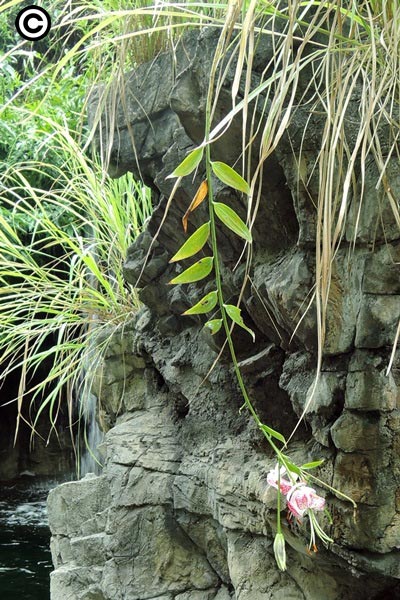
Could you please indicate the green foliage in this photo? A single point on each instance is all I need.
(31, 100)
(194, 244)
(205, 305)
(68, 271)
(312, 465)
(25, 135)
(275, 434)
(189, 163)
(234, 312)
(214, 325)
(230, 177)
(200, 270)
(24, 223)
(232, 220)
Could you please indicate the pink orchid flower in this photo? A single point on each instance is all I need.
(300, 498)
(272, 479)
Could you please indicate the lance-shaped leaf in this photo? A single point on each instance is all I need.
(235, 314)
(204, 306)
(214, 325)
(232, 220)
(312, 465)
(198, 271)
(197, 200)
(275, 434)
(194, 244)
(230, 177)
(188, 164)
(291, 466)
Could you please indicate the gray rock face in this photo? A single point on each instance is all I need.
(182, 510)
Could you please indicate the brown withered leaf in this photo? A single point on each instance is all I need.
(200, 195)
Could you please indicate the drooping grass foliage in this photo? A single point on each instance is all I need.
(344, 47)
(61, 283)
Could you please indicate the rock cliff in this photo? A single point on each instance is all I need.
(181, 510)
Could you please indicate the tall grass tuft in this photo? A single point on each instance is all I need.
(61, 287)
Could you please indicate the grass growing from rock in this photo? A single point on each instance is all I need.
(61, 273)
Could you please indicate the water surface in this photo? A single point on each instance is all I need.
(25, 559)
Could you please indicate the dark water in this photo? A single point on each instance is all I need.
(25, 559)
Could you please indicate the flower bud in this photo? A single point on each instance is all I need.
(279, 551)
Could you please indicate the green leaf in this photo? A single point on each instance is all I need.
(198, 271)
(204, 306)
(289, 466)
(194, 244)
(273, 433)
(232, 220)
(312, 465)
(214, 325)
(188, 164)
(235, 314)
(227, 175)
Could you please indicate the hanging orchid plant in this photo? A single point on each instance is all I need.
(289, 479)
(301, 500)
